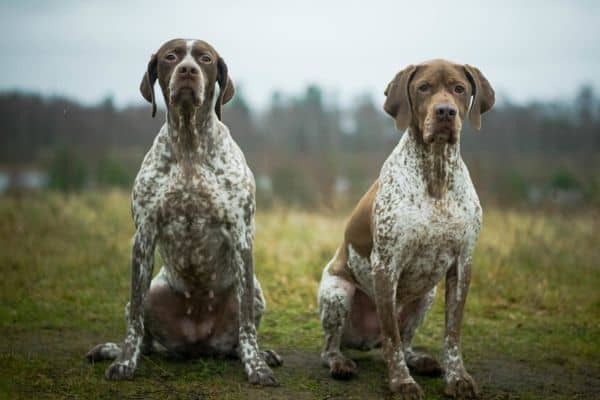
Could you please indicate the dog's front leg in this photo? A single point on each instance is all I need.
(385, 284)
(459, 384)
(142, 264)
(257, 370)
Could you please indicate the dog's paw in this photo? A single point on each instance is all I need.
(461, 386)
(104, 351)
(271, 358)
(424, 364)
(120, 370)
(342, 368)
(407, 391)
(263, 376)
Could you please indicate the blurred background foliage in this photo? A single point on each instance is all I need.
(307, 150)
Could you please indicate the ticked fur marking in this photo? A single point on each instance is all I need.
(194, 199)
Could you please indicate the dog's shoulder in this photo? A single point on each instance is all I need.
(465, 196)
(232, 170)
(231, 155)
(152, 176)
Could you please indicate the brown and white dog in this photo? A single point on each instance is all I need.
(418, 223)
(193, 198)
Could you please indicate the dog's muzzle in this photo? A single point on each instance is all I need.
(186, 88)
(445, 125)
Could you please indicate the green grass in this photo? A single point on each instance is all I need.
(531, 331)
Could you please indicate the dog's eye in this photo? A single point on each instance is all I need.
(423, 87)
(171, 57)
(205, 59)
(459, 89)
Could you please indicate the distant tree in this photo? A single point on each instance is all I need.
(239, 118)
(562, 179)
(306, 144)
(67, 171)
(314, 97)
(293, 186)
(372, 127)
(584, 104)
(108, 103)
(112, 172)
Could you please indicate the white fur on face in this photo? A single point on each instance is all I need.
(190, 45)
(188, 59)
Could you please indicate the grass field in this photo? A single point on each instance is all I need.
(531, 331)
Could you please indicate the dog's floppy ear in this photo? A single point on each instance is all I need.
(147, 85)
(226, 88)
(483, 95)
(397, 104)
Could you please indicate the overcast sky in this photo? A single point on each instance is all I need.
(90, 49)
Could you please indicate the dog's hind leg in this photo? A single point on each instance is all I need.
(104, 351)
(335, 301)
(410, 318)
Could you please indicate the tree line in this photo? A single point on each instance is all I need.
(307, 150)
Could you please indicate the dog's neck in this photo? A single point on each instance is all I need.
(192, 132)
(436, 163)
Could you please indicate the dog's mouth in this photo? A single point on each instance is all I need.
(186, 93)
(443, 133)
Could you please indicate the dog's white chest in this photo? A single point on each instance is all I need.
(417, 237)
(430, 239)
(200, 217)
(425, 241)
(194, 237)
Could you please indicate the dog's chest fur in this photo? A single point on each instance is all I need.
(201, 208)
(421, 236)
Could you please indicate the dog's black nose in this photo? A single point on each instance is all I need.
(445, 112)
(187, 70)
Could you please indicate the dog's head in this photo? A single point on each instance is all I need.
(434, 98)
(191, 75)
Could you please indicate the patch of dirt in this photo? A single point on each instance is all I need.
(302, 376)
(499, 377)
(503, 378)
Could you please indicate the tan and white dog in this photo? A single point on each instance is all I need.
(193, 198)
(417, 224)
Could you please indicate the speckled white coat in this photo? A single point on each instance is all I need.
(417, 237)
(194, 199)
(417, 240)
